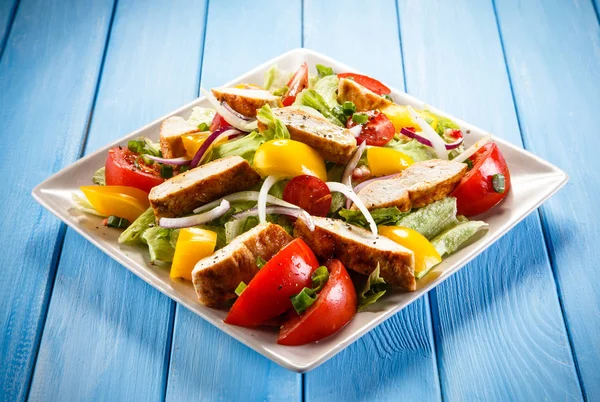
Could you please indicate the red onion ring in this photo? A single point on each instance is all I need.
(236, 114)
(175, 161)
(225, 131)
(425, 141)
(295, 212)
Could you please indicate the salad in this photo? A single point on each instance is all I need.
(301, 202)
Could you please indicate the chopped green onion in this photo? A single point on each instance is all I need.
(147, 160)
(319, 278)
(349, 107)
(498, 183)
(303, 300)
(184, 168)
(360, 118)
(166, 171)
(388, 97)
(281, 91)
(324, 71)
(260, 262)
(469, 163)
(116, 222)
(136, 146)
(240, 288)
(203, 127)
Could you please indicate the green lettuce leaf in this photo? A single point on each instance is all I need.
(245, 147)
(159, 244)
(413, 148)
(311, 98)
(133, 234)
(373, 290)
(431, 219)
(457, 236)
(443, 123)
(381, 216)
(201, 116)
(276, 130)
(99, 177)
(276, 79)
(327, 87)
(334, 173)
(324, 71)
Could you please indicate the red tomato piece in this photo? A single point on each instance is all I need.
(378, 131)
(367, 82)
(455, 134)
(335, 306)
(475, 193)
(218, 122)
(309, 193)
(126, 168)
(297, 83)
(268, 293)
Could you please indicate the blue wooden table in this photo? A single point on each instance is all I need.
(521, 322)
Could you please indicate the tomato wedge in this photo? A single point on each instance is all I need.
(297, 83)
(378, 131)
(126, 168)
(268, 293)
(335, 306)
(475, 193)
(367, 82)
(217, 122)
(309, 193)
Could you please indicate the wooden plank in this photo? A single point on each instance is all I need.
(498, 324)
(206, 363)
(107, 335)
(396, 360)
(48, 76)
(7, 14)
(555, 81)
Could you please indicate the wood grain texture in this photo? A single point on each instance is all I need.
(7, 14)
(555, 77)
(399, 356)
(206, 363)
(498, 324)
(51, 54)
(107, 335)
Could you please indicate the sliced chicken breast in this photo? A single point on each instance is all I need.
(419, 185)
(333, 143)
(182, 193)
(245, 101)
(363, 98)
(217, 276)
(171, 131)
(360, 250)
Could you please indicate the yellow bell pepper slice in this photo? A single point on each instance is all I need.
(426, 256)
(385, 161)
(401, 118)
(193, 244)
(288, 158)
(122, 201)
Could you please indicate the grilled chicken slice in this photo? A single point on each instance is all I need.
(182, 193)
(360, 250)
(245, 101)
(363, 98)
(171, 131)
(217, 276)
(333, 143)
(419, 185)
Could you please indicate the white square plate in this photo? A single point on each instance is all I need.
(533, 181)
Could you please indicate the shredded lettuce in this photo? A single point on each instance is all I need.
(159, 244)
(457, 236)
(373, 290)
(133, 234)
(442, 123)
(381, 216)
(431, 219)
(81, 203)
(201, 117)
(327, 87)
(245, 147)
(413, 148)
(324, 71)
(311, 98)
(276, 130)
(99, 177)
(276, 79)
